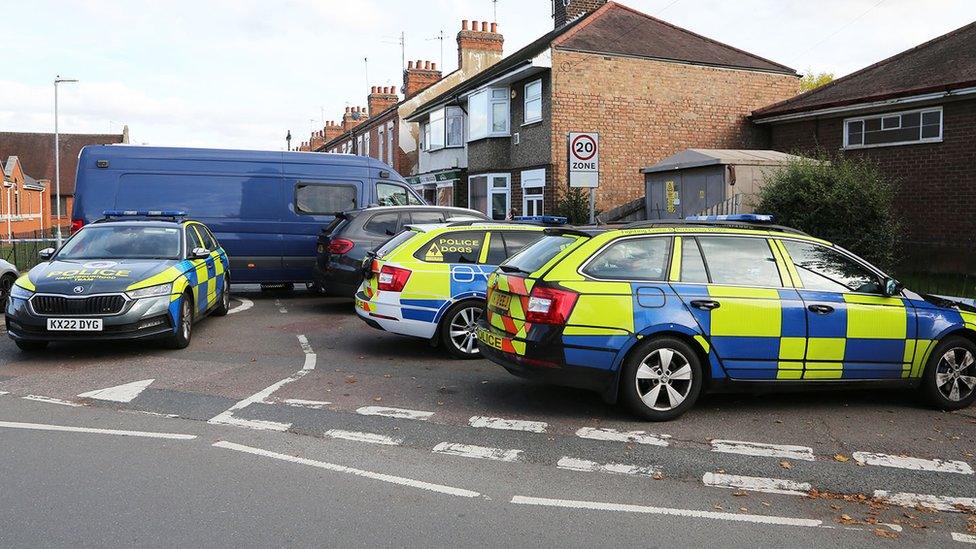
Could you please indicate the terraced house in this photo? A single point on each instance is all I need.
(497, 142)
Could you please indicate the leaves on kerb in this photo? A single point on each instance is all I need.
(847, 201)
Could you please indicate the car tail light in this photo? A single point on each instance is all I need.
(340, 246)
(550, 305)
(392, 279)
(76, 225)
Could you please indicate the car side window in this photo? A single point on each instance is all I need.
(496, 249)
(388, 194)
(324, 198)
(419, 218)
(453, 247)
(642, 258)
(208, 237)
(825, 269)
(516, 240)
(192, 240)
(692, 264)
(384, 224)
(740, 261)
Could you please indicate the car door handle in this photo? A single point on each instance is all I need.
(821, 309)
(705, 304)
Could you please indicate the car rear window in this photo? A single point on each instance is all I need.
(395, 242)
(533, 257)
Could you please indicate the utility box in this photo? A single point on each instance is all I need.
(708, 181)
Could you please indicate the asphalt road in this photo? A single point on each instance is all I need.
(289, 422)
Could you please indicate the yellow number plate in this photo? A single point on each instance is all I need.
(500, 301)
(488, 339)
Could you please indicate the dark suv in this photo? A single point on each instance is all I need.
(343, 244)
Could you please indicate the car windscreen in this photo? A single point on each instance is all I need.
(123, 242)
(392, 243)
(533, 257)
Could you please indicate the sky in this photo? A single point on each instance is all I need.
(242, 73)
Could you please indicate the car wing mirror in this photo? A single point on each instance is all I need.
(892, 287)
(46, 254)
(199, 253)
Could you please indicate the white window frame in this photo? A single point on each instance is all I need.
(453, 112)
(526, 99)
(366, 144)
(492, 190)
(436, 122)
(486, 97)
(533, 179)
(389, 143)
(425, 136)
(920, 140)
(380, 143)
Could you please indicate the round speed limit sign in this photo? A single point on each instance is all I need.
(584, 159)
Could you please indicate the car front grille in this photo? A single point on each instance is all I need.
(95, 305)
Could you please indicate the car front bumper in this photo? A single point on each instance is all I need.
(141, 318)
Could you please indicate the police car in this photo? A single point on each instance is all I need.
(654, 313)
(429, 281)
(132, 274)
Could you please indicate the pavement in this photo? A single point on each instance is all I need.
(290, 422)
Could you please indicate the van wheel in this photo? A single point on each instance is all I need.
(661, 379)
(30, 346)
(184, 325)
(949, 381)
(459, 329)
(224, 306)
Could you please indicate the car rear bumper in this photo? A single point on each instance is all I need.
(336, 278)
(394, 318)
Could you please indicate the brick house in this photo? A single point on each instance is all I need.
(649, 88)
(35, 155)
(379, 130)
(914, 115)
(23, 211)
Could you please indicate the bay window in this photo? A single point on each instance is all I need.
(488, 113)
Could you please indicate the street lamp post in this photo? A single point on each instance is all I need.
(57, 155)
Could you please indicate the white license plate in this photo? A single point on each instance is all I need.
(74, 324)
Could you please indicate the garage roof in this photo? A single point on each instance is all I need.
(697, 158)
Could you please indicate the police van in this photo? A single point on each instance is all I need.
(266, 207)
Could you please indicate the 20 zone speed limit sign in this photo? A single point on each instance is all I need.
(584, 159)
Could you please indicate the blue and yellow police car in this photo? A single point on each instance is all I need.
(654, 313)
(132, 274)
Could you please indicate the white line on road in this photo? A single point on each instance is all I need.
(4, 393)
(915, 464)
(508, 424)
(119, 393)
(51, 400)
(586, 466)
(94, 431)
(440, 488)
(640, 437)
(357, 436)
(939, 503)
(399, 413)
(627, 508)
(762, 449)
(227, 416)
(301, 403)
(479, 452)
(245, 305)
(963, 538)
(757, 484)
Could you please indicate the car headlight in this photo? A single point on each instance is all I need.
(152, 291)
(20, 292)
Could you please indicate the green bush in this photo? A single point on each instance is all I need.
(574, 204)
(847, 201)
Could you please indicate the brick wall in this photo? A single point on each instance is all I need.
(647, 110)
(936, 182)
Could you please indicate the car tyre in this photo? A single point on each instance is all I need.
(184, 322)
(459, 329)
(223, 307)
(949, 381)
(661, 379)
(30, 346)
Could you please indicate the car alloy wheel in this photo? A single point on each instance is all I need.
(464, 330)
(955, 374)
(186, 319)
(664, 379)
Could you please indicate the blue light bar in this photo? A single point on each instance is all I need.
(144, 213)
(545, 219)
(749, 218)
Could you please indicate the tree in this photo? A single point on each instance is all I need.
(810, 81)
(574, 204)
(848, 201)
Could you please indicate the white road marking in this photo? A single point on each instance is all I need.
(94, 431)
(300, 403)
(281, 308)
(692, 513)
(762, 449)
(51, 400)
(508, 424)
(915, 464)
(4, 393)
(479, 452)
(363, 437)
(963, 538)
(757, 484)
(399, 413)
(639, 437)
(440, 488)
(582, 465)
(940, 503)
(245, 305)
(227, 416)
(119, 393)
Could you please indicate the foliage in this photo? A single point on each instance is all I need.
(574, 204)
(810, 81)
(847, 201)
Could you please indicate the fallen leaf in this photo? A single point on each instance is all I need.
(765, 503)
(785, 464)
(350, 379)
(377, 399)
(740, 493)
(743, 509)
(658, 475)
(885, 533)
(718, 507)
(841, 458)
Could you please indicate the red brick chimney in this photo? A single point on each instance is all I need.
(478, 47)
(420, 76)
(318, 139)
(331, 130)
(381, 98)
(353, 117)
(564, 11)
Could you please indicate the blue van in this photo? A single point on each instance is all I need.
(265, 207)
